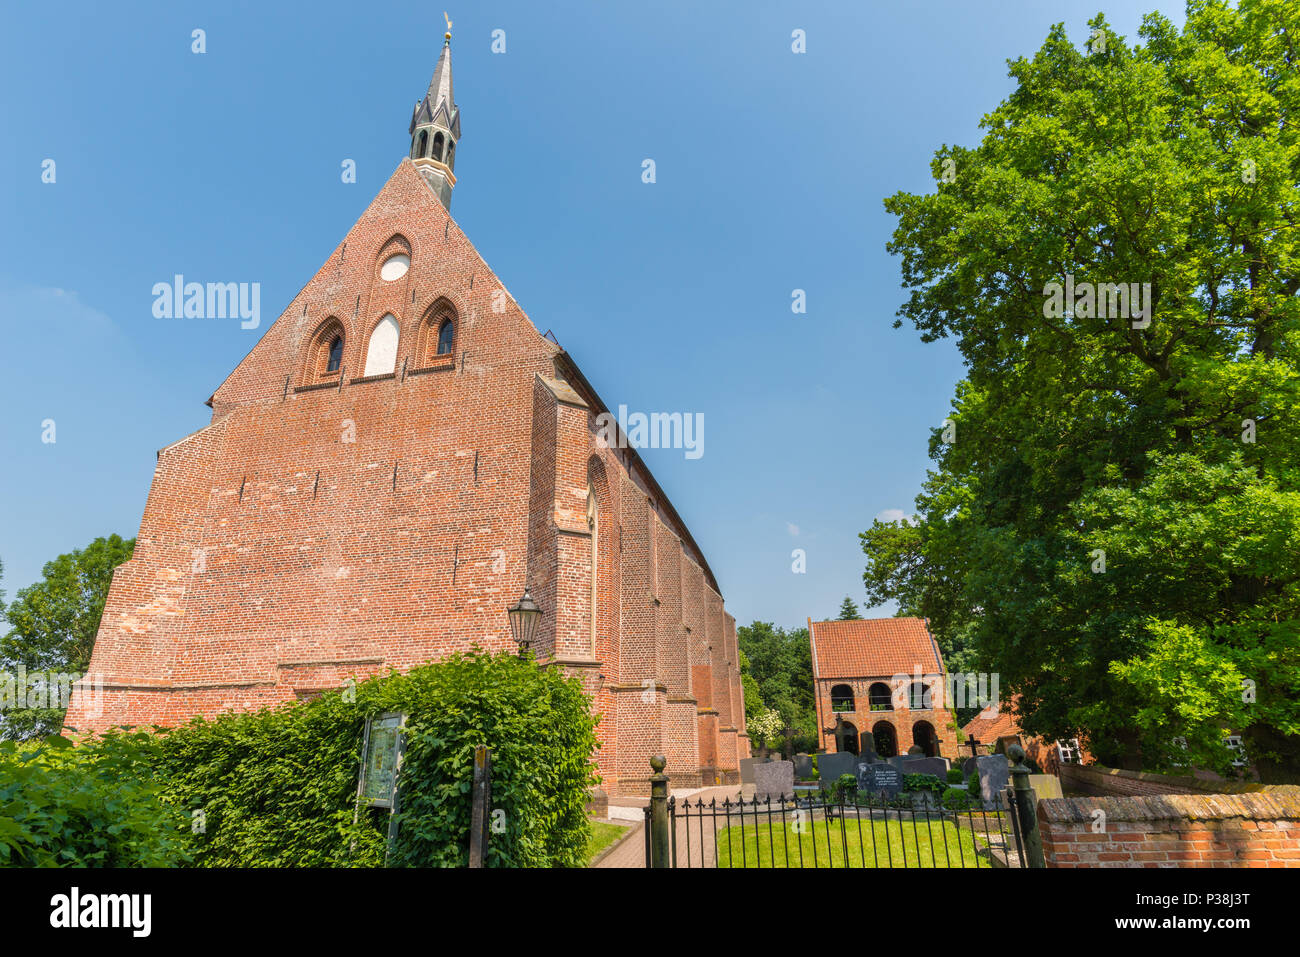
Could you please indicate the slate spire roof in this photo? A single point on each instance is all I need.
(439, 105)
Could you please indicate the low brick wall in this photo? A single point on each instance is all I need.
(1260, 829)
(1095, 779)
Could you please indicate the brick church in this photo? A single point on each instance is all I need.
(397, 458)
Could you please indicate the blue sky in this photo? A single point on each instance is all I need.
(672, 296)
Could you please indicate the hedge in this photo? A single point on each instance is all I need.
(278, 787)
(66, 807)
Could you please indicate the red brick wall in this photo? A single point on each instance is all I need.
(1094, 779)
(312, 533)
(903, 719)
(1174, 830)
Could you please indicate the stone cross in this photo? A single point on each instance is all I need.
(789, 741)
(838, 731)
(974, 743)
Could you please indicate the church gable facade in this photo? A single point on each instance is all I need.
(394, 462)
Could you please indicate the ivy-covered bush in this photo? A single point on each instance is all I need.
(278, 787)
(66, 807)
(923, 782)
(844, 788)
(955, 799)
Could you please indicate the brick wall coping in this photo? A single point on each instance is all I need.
(1099, 772)
(1280, 802)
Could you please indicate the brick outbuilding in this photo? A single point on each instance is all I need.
(394, 461)
(885, 678)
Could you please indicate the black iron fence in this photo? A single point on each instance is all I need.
(813, 829)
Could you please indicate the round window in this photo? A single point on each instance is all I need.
(394, 267)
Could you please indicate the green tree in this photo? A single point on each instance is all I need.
(1111, 524)
(53, 626)
(749, 686)
(780, 664)
(848, 610)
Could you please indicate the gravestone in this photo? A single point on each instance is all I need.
(833, 765)
(995, 772)
(747, 769)
(803, 768)
(773, 780)
(862, 771)
(897, 761)
(1046, 785)
(881, 777)
(968, 767)
(936, 766)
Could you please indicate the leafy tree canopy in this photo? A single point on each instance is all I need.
(1112, 523)
(779, 664)
(53, 625)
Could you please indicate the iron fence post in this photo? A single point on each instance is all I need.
(1026, 808)
(659, 813)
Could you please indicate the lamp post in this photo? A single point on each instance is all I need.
(524, 616)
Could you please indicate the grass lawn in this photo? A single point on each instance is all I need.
(603, 834)
(901, 842)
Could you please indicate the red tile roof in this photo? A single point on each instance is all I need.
(872, 648)
(988, 730)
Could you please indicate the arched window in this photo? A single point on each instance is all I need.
(918, 696)
(924, 737)
(879, 697)
(381, 355)
(323, 355)
(451, 153)
(446, 337)
(437, 146)
(886, 739)
(841, 698)
(435, 337)
(421, 144)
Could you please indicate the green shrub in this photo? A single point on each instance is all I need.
(70, 807)
(278, 787)
(845, 787)
(923, 782)
(973, 783)
(955, 799)
(954, 776)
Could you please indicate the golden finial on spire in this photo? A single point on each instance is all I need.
(447, 35)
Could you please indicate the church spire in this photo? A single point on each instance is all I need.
(435, 128)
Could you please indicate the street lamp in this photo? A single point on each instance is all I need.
(524, 616)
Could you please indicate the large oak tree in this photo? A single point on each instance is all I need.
(1113, 520)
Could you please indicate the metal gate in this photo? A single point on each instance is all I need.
(816, 831)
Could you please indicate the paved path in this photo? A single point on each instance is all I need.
(631, 852)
